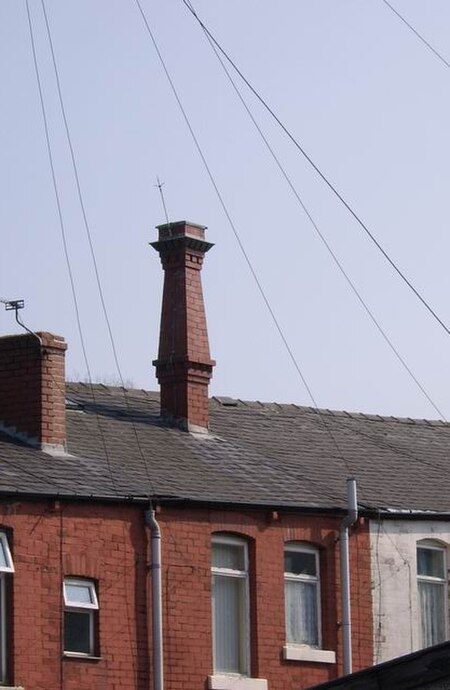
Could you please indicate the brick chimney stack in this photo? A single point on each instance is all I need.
(32, 390)
(184, 365)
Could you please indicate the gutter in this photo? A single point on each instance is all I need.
(59, 496)
(142, 499)
(349, 520)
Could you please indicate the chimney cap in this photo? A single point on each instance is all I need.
(181, 228)
(181, 235)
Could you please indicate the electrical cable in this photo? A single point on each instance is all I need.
(322, 175)
(63, 229)
(417, 34)
(79, 188)
(35, 475)
(321, 236)
(317, 410)
(79, 193)
(89, 234)
(87, 225)
(385, 445)
(237, 236)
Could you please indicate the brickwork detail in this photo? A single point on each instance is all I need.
(32, 387)
(109, 544)
(104, 543)
(186, 562)
(184, 365)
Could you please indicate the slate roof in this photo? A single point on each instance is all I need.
(261, 454)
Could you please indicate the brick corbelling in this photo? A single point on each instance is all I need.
(181, 258)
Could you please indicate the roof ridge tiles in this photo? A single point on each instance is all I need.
(224, 401)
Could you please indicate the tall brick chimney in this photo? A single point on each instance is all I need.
(32, 389)
(184, 365)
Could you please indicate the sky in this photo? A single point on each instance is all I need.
(369, 103)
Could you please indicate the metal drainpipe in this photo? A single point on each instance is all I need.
(157, 646)
(349, 520)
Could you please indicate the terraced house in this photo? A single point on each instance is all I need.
(174, 541)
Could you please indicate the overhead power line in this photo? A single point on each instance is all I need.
(242, 247)
(89, 238)
(56, 189)
(322, 175)
(417, 34)
(322, 237)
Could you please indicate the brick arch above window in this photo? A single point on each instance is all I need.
(233, 534)
(307, 543)
(311, 535)
(237, 528)
(81, 565)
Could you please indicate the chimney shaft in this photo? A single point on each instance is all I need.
(32, 389)
(184, 365)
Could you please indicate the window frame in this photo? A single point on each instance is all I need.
(244, 614)
(302, 547)
(89, 609)
(5, 571)
(433, 580)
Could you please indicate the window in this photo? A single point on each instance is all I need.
(6, 566)
(432, 590)
(302, 595)
(230, 605)
(80, 616)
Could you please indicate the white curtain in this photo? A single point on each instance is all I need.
(432, 612)
(230, 556)
(229, 608)
(301, 612)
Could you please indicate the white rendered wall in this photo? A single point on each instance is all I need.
(394, 582)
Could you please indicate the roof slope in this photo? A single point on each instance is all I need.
(262, 454)
(427, 668)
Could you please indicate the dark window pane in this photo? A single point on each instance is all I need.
(300, 563)
(430, 562)
(77, 632)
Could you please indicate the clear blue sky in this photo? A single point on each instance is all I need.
(368, 101)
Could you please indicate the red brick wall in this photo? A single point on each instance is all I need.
(106, 543)
(32, 386)
(187, 592)
(109, 544)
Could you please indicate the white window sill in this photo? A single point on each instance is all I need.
(79, 655)
(233, 682)
(301, 652)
